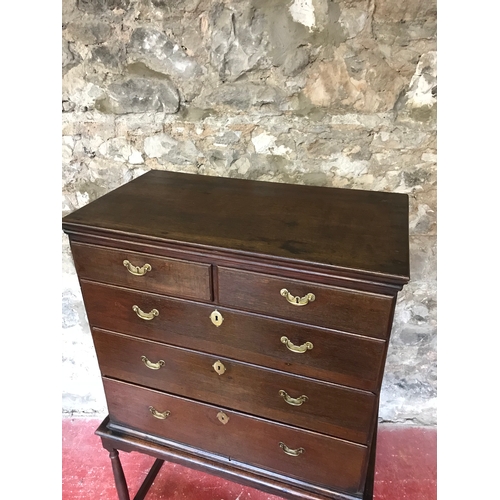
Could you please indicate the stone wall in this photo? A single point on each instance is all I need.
(320, 92)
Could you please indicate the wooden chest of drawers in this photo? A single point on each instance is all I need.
(241, 327)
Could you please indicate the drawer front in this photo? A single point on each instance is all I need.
(348, 310)
(331, 409)
(312, 352)
(322, 460)
(152, 273)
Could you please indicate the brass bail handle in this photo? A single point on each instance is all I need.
(289, 451)
(136, 270)
(143, 315)
(162, 415)
(293, 401)
(307, 346)
(151, 365)
(296, 300)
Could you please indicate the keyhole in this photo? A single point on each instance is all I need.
(219, 368)
(223, 417)
(216, 318)
(296, 300)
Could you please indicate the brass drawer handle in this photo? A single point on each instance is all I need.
(296, 348)
(162, 415)
(293, 401)
(296, 300)
(289, 451)
(147, 316)
(153, 366)
(136, 270)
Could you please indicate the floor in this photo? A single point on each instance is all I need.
(405, 469)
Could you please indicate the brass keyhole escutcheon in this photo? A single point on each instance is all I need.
(219, 367)
(223, 418)
(216, 318)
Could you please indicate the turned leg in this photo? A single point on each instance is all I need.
(120, 482)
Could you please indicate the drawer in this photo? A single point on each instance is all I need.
(338, 308)
(328, 408)
(322, 460)
(155, 273)
(309, 351)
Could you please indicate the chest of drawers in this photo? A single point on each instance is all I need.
(241, 327)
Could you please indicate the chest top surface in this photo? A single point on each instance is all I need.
(364, 231)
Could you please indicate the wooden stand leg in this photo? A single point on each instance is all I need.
(148, 481)
(120, 482)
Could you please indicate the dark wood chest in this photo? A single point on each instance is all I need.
(241, 327)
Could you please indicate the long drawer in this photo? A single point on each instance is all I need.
(301, 454)
(331, 409)
(313, 352)
(331, 307)
(141, 271)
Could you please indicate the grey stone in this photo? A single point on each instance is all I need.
(316, 179)
(238, 44)
(354, 18)
(296, 61)
(416, 177)
(221, 159)
(397, 12)
(70, 315)
(423, 258)
(112, 58)
(169, 150)
(421, 98)
(227, 138)
(415, 334)
(69, 58)
(159, 53)
(88, 33)
(68, 106)
(402, 34)
(260, 167)
(244, 95)
(140, 95)
(99, 6)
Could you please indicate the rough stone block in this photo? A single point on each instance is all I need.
(159, 53)
(97, 6)
(88, 33)
(140, 95)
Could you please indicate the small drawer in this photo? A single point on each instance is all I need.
(142, 271)
(282, 449)
(306, 302)
(327, 408)
(314, 352)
